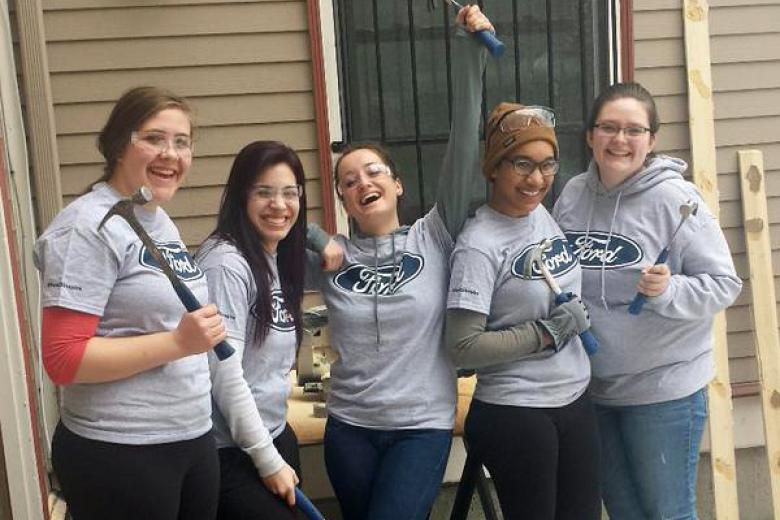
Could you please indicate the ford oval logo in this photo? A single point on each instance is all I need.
(592, 250)
(558, 259)
(281, 319)
(384, 281)
(178, 258)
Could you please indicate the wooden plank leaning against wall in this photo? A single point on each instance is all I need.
(759, 249)
(705, 175)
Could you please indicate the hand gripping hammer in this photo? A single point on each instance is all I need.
(686, 210)
(124, 209)
(535, 263)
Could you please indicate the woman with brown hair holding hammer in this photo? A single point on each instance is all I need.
(531, 422)
(650, 377)
(134, 436)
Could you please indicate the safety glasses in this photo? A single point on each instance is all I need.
(534, 115)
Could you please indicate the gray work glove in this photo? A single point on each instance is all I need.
(565, 321)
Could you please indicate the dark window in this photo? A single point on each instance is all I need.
(395, 77)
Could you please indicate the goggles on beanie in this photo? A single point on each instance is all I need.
(525, 117)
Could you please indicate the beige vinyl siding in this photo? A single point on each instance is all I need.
(745, 55)
(244, 64)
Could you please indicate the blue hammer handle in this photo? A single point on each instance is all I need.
(589, 341)
(306, 507)
(222, 350)
(639, 300)
(494, 46)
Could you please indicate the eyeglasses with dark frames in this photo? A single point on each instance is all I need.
(611, 130)
(525, 166)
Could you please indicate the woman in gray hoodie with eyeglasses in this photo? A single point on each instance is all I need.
(650, 374)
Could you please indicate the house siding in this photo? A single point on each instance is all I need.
(745, 55)
(245, 66)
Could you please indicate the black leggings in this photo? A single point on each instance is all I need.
(242, 495)
(543, 461)
(100, 480)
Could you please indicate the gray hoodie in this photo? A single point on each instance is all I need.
(664, 353)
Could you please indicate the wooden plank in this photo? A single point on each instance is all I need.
(38, 110)
(727, 164)
(84, 87)
(58, 5)
(80, 118)
(181, 51)
(731, 132)
(702, 132)
(748, 103)
(726, 77)
(729, 184)
(746, 48)
(733, 218)
(725, 49)
(182, 20)
(753, 19)
(765, 321)
(659, 53)
(5, 497)
(734, 235)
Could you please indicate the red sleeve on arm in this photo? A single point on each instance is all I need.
(64, 336)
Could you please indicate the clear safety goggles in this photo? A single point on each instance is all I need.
(525, 117)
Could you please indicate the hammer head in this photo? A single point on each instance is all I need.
(689, 208)
(536, 257)
(124, 207)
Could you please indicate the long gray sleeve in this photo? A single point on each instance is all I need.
(708, 282)
(471, 346)
(461, 161)
(316, 238)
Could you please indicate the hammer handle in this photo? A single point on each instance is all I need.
(222, 350)
(639, 300)
(306, 507)
(494, 46)
(589, 341)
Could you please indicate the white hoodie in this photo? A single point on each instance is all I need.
(664, 353)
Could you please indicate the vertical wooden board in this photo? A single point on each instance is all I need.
(703, 154)
(759, 250)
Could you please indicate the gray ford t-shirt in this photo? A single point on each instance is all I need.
(109, 273)
(487, 277)
(386, 303)
(266, 365)
(386, 326)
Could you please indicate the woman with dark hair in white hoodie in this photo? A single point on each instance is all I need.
(650, 374)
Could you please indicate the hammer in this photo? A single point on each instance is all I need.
(535, 262)
(124, 208)
(686, 210)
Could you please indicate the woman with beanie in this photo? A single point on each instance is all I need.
(650, 375)
(531, 422)
(391, 407)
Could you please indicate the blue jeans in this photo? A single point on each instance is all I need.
(650, 454)
(385, 474)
